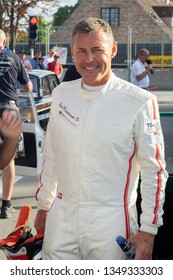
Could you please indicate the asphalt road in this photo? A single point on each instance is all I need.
(23, 194)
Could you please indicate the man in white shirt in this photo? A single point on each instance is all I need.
(139, 71)
(49, 58)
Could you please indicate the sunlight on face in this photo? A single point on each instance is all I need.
(92, 53)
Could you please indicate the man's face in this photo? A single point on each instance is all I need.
(143, 57)
(92, 53)
(22, 56)
(38, 54)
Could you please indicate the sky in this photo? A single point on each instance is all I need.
(67, 2)
(61, 2)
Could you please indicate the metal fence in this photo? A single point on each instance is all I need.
(158, 41)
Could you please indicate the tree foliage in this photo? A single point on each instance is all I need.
(15, 13)
(63, 13)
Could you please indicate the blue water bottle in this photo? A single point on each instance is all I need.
(128, 248)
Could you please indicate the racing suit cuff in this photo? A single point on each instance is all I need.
(42, 207)
(152, 229)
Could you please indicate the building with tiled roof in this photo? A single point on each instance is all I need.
(143, 22)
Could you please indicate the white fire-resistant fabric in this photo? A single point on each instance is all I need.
(96, 143)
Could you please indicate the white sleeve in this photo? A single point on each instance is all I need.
(150, 155)
(48, 179)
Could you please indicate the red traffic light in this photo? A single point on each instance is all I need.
(33, 20)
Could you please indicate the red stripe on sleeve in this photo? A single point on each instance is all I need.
(126, 195)
(158, 185)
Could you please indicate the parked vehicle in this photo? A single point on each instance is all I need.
(35, 111)
(43, 82)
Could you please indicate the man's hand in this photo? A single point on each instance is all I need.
(40, 220)
(149, 67)
(26, 88)
(144, 243)
(10, 125)
(152, 88)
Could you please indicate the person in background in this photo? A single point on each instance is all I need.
(36, 60)
(55, 66)
(139, 71)
(71, 74)
(11, 70)
(49, 58)
(41, 63)
(7, 49)
(93, 156)
(25, 62)
(10, 130)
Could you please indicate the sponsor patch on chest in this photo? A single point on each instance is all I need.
(68, 115)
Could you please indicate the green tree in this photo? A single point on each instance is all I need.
(14, 14)
(22, 34)
(63, 13)
(42, 27)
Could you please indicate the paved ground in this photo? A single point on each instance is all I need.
(23, 194)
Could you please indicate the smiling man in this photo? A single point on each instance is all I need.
(97, 141)
(93, 53)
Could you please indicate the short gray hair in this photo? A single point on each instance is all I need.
(90, 24)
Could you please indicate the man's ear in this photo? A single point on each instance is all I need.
(114, 49)
(72, 51)
(4, 42)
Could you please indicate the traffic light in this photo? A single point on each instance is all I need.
(33, 21)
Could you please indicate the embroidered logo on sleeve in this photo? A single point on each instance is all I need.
(153, 126)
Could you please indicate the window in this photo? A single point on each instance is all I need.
(111, 15)
(45, 86)
(53, 81)
(35, 85)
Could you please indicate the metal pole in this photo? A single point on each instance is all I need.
(48, 39)
(172, 43)
(129, 51)
(32, 52)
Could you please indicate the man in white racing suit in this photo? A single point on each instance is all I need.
(102, 132)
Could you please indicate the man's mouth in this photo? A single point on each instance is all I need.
(90, 69)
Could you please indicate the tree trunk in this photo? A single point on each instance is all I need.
(1, 13)
(11, 32)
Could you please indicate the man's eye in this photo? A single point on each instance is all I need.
(98, 50)
(80, 51)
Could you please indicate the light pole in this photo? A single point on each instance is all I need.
(47, 38)
(129, 51)
(172, 43)
(49, 31)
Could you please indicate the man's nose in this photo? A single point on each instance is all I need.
(89, 56)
